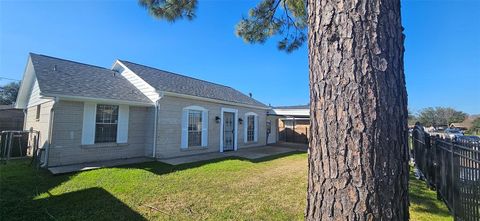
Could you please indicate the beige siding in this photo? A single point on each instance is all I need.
(67, 133)
(42, 124)
(169, 126)
(148, 128)
(35, 98)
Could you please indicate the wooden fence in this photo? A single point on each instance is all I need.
(297, 131)
(452, 167)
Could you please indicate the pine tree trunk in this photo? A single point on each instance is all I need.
(358, 156)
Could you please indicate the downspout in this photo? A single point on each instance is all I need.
(24, 118)
(50, 131)
(155, 125)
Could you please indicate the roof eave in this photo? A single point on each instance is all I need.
(25, 85)
(98, 100)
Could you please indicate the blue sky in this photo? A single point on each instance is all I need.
(442, 59)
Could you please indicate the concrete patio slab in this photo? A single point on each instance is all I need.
(95, 165)
(252, 153)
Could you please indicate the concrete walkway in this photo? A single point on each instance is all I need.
(252, 153)
(95, 165)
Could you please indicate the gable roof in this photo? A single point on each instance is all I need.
(60, 77)
(176, 83)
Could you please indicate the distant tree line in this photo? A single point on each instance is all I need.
(437, 116)
(475, 126)
(8, 93)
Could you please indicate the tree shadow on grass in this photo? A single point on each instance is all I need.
(160, 168)
(89, 204)
(21, 184)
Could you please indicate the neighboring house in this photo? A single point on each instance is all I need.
(87, 113)
(466, 124)
(293, 123)
(10, 118)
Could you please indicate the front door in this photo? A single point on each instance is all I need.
(228, 131)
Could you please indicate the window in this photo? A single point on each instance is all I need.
(106, 123)
(250, 128)
(194, 128)
(37, 116)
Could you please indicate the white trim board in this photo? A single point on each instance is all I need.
(235, 138)
(294, 112)
(148, 90)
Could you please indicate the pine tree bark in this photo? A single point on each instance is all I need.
(358, 155)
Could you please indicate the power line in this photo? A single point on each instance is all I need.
(9, 79)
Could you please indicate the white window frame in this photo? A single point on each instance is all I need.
(38, 111)
(185, 120)
(109, 123)
(89, 123)
(255, 127)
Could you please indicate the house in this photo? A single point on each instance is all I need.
(466, 124)
(87, 113)
(293, 123)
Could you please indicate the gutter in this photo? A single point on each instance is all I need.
(103, 100)
(50, 131)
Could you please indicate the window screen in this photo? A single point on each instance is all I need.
(106, 123)
(250, 128)
(194, 128)
(37, 116)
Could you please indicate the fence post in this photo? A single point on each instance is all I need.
(452, 172)
(9, 150)
(436, 162)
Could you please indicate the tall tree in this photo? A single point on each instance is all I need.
(428, 117)
(448, 115)
(412, 119)
(475, 129)
(358, 149)
(9, 92)
(440, 116)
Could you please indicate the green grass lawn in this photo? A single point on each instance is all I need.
(424, 204)
(234, 189)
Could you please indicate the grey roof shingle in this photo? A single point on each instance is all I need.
(63, 77)
(176, 83)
